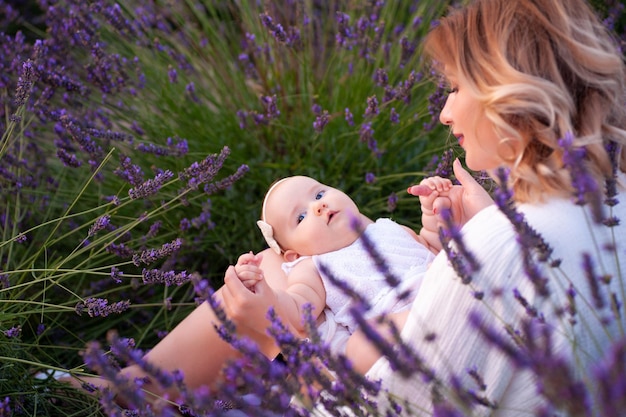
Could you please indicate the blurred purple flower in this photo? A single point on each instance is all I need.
(321, 121)
(116, 274)
(68, 159)
(4, 281)
(372, 107)
(13, 332)
(381, 78)
(271, 109)
(586, 188)
(174, 147)
(394, 117)
(5, 407)
(392, 202)
(172, 75)
(349, 117)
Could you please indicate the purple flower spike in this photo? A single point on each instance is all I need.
(100, 307)
(150, 187)
(13, 332)
(321, 121)
(349, 117)
(100, 224)
(372, 107)
(586, 188)
(149, 256)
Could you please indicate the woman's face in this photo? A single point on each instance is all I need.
(475, 132)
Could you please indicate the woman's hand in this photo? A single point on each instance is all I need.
(466, 200)
(463, 201)
(247, 309)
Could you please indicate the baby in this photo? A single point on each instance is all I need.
(311, 224)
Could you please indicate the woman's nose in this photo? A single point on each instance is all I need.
(445, 117)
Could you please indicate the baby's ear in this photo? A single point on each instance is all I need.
(290, 255)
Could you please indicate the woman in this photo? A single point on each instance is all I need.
(536, 87)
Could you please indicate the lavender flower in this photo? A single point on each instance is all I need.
(116, 274)
(203, 172)
(370, 178)
(100, 224)
(593, 281)
(242, 115)
(610, 377)
(68, 159)
(120, 250)
(172, 75)
(586, 188)
(372, 107)
(530, 241)
(179, 148)
(4, 281)
(461, 258)
(394, 117)
(321, 121)
(226, 182)
(392, 202)
(349, 117)
(367, 136)
(156, 276)
(130, 172)
(100, 307)
(13, 332)
(150, 186)
(5, 407)
(381, 78)
(27, 78)
(271, 109)
(149, 256)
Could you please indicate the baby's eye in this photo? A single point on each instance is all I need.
(301, 217)
(319, 195)
(452, 90)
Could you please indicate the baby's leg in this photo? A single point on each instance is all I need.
(363, 353)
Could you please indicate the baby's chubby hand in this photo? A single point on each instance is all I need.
(248, 269)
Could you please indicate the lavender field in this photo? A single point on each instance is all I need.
(138, 139)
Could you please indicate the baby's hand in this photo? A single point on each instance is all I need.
(248, 269)
(432, 189)
(430, 184)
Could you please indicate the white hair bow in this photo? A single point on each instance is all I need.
(268, 233)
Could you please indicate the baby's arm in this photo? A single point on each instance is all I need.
(248, 269)
(428, 191)
(304, 286)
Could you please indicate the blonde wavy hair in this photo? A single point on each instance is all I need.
(542, 69)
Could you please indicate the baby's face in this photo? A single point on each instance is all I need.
(309, 217)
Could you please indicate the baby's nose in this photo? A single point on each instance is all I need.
(319, 207)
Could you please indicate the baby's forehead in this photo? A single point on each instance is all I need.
(292, 187)
(298, 183)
